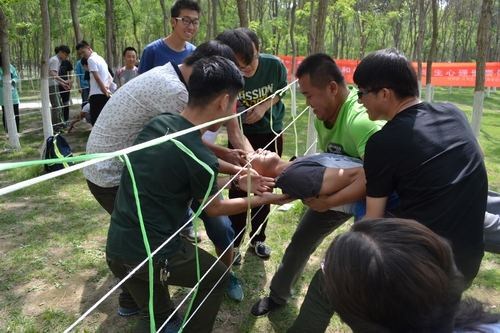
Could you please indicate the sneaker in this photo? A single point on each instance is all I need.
(261, 250)
(174, 325)
(127, 312)
(234, 290)
(236, 257)
(264, 306)
(188, 233)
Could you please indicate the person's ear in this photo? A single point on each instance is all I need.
(333, 87)
(224, 103)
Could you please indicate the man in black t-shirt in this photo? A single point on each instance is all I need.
(427, 153)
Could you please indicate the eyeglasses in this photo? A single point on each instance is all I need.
(362, 93)
(186, 21)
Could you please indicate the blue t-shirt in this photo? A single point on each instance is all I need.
(158, 53)
(80, 73)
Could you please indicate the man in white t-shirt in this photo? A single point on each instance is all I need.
(101, 81)
(61, 53)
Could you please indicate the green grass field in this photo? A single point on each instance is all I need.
(52, 238)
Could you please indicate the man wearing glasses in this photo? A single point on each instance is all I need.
(185, 20)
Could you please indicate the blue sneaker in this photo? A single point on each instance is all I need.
(234, 290)
(174, 325)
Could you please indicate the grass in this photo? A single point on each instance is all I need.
(52, 238)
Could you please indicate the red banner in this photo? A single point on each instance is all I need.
(444, 74)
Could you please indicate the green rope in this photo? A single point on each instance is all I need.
(152, 325)
(186, 150)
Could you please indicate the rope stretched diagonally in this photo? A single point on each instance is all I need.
(96, 158)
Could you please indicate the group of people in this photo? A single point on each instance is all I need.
(411, 171)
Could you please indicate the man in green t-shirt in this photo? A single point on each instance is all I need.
(264, 75)
(343, 127)
(167, 180)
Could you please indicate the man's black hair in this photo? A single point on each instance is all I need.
(252, 35)
(56, 50)
(63, 48)
(208, 49)
(211, 77)
(128, 48)
(179, 5)
(321, 69)
(239, 42)
(82, 44)
(387, 68)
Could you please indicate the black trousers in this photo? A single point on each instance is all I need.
(97, 103)
(16, 114)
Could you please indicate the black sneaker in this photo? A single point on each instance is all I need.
(261, 250)
(264, 306)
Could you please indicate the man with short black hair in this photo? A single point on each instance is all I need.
(169, 179)
(185, 21)
(100, 79)
(343, 128)
(61, 53)
(129, 69)
(427, 153)
(264, 75)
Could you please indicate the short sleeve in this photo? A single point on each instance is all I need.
(361, 129)
(53, 64)
(200, 178)
(92, 65)
(380, 166)
(146, 61)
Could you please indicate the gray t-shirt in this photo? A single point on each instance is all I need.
(157, 91)
(304, 177)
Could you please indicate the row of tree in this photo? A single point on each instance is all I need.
(435, 30)
(346, 29)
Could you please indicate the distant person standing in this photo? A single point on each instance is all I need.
(185, 20)
(100, 79)
(82, 74)
(15, 96)
(61, 53)
(129, 70)
(65, 90)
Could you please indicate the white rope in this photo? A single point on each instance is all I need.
(128, 276)
(128, 150)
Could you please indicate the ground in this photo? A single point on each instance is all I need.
(52, 238)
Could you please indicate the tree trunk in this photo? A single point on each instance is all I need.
(213, 18)
(76, 20)
(292, 34)
(242, 13)
(432, 51)
(110, 36)
(44, 70)
(483, 43)
(319, 42)
(7, 86)
(312, 30)
(134, 24)
(420, 41)
(165, 18)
